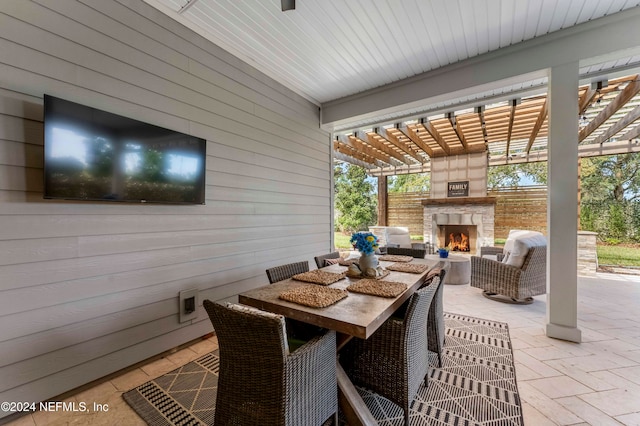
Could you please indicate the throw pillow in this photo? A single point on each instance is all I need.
(328, 262)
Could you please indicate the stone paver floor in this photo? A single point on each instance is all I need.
(596, 382)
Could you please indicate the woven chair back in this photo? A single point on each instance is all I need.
(283, 272)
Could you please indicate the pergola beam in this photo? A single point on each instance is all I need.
(631, 134)
(586, 99)
(454, 124)
(348, 159)
(631, 116)
(349, 151)
(426, 124)
(539, 122)
(512, 115)
(360, 146)
(395, 140)
(371, 140)
(408, 132)
(632, 89)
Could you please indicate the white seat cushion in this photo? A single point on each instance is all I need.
(521, 245)
(398, 235)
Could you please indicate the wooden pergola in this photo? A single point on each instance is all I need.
(513, 131)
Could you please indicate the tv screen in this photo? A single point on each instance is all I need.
(96, 155)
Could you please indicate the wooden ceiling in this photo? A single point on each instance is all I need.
(511, 131)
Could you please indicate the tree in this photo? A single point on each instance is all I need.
(512, 174)
(610, 196)
(613, 177)
(415, 182)
(356, 201)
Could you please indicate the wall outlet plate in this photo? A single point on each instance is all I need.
(188, 304)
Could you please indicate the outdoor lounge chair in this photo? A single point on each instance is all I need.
(520, 275)
(260, 381)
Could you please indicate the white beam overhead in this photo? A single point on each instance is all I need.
(524, 61)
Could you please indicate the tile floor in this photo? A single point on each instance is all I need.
(596, 382)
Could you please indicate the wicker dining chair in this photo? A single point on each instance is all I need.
(394, 361)
(435, 318)
(320, 259)
(282, 272)
(260, 382)
(418, 253)
(298, 331)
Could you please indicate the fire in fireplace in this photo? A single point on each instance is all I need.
(460, 238)
(458, 242)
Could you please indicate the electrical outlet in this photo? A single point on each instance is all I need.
(188, 300)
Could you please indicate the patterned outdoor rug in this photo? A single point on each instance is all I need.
(475, 386)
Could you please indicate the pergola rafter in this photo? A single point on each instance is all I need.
(509, 131)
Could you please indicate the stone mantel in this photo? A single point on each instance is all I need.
(458, 201)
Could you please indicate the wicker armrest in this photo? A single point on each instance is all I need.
(490, 251)
(492, 275)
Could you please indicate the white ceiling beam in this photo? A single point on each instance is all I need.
(519, 62)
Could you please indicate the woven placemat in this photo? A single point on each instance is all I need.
(347, 262)
(314, 296)
(414, 268)
(357, 274)
(378, 287)
(395, 258)
(318, 276)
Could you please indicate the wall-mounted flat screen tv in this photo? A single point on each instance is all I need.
(96, 155)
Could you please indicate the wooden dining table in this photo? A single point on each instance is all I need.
(358, 315)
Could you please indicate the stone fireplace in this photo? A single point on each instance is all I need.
(452, 216)
(447, 222)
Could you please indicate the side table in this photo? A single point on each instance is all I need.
(460, 270)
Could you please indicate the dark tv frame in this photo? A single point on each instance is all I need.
(100, 118)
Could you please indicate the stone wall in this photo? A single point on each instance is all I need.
(587, 254)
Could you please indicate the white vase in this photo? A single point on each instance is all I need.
(368, 264)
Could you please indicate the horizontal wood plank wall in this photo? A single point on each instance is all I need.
(405, 209)
(516, 208)
(87, 288)
(520, 208)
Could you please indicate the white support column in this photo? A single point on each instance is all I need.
(562, 219)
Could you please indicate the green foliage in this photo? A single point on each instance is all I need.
(510, 175)
(610, 203)
(341, 240)
(415, 182)
(355, 199)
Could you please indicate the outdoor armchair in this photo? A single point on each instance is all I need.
(521, 275)
(260, 382)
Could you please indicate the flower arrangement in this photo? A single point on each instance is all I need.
(364, 242)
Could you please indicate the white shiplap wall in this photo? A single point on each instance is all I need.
(89, 288)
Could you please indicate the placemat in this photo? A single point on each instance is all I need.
(377, 287)
(358, 274)
(347, 262)
(318, 276)
(395, 258)
(414, 268)
(314, 296)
